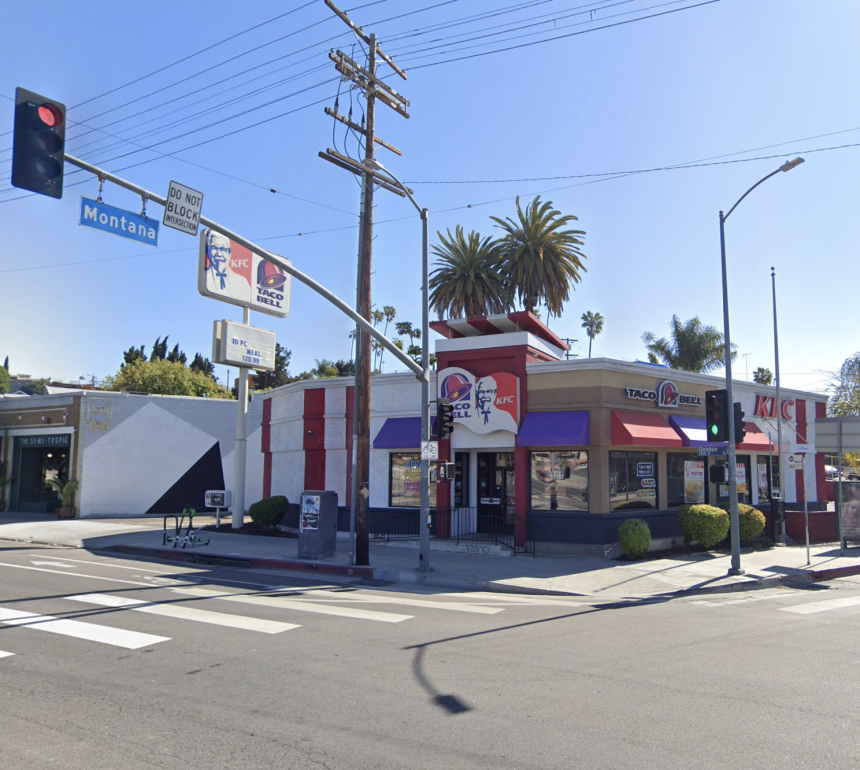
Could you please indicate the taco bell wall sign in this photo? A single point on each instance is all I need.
(482, 404)
(666, 395)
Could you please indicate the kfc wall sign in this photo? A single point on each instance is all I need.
(765, 406)
(482, 404)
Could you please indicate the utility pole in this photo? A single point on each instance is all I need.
(374, 89)
(569, 342)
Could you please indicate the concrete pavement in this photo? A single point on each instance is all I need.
(454, 570)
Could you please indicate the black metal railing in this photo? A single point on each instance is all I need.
(395, 525)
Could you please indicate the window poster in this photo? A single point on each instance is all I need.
(694, 481)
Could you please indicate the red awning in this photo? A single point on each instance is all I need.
(641, 429)
(755, 440)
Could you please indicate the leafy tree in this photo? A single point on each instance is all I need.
(470, 279)
(281, 373)
(6, 364)
(693, 347)
(36, 387)
(176, 355)
(845, 384)
(542, 259)
(345, 368)
(763, 376)
(159, 349)
(166, 378)
(593, 325)
(325, 369)
(134, 354)
(389, 314)
(200, 364)
(5, 377)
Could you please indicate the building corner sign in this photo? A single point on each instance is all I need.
(125, 224)
(482, 404)
(666, 396)
(231, 273)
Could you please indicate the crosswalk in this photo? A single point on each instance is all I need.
(803, 607)
(293, 603)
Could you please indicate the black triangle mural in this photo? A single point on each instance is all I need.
(190, 489)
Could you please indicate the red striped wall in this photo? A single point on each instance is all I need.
(313, 441)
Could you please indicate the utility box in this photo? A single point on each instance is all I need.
(317, 524)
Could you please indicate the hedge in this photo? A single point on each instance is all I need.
(269, 511)
(706, 524)
(751, 520)
(634, 536)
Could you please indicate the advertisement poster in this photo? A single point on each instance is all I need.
(694, 481)
(310, 513)
(740, 479)
(851, 510)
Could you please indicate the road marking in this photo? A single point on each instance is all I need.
(502, 598)
(107, 564)
(828, 604)
(129, 640)
(295, 604)
(351, 598)
(741, 600)
(187, 613)
(50, 564)
(6, 654)
(76, 574)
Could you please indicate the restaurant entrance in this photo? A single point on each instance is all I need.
(37, 461)
(496, 491)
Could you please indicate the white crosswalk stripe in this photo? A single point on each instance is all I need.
(4, 654)
(187, 613)
(352, 598)
(828, 604)
(294, 604)
(117, 637)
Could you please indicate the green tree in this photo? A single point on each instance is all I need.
(470, 278)
(281, 373)
(345, 368)
(845, 384)
(134, 354)
(593, 325)
(159, 349)
(542, 259)
(200, 364)
(166, 378)
(389, 314)
(763, 376)
(36, 387)
(5, 377)
(176, 355)
(692, 347)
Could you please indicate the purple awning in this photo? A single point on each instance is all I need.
(554, 429)
(693, 431)
(402, 433)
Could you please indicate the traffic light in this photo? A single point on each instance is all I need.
(717, 414)
(38, 144)
(740, 430)
(444, 418)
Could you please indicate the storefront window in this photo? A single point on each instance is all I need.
(405, 481)
(762, 467)
(632, 480)
(559, 481)
(686, 479)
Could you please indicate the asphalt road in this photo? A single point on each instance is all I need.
(115, 664)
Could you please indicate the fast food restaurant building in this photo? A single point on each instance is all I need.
(565, 450)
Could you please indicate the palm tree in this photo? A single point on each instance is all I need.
(469, 280)
(389, 313)
(542, 259)
(593, 325)
(763, 376)
(694, 347)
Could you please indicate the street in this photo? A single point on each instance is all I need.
(111, 663)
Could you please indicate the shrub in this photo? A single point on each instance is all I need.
(751, 520)
(634, 536)
(706, 524)
(632, 505)
(269, 511)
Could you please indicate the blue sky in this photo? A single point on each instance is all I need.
(735, 86)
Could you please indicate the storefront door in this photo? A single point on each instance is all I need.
(496, 490)
(37, 461)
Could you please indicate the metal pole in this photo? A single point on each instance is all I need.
(241, 448)
(806, 507)
(779, 464)
(424, 549)
(839, 496)
(735, 569)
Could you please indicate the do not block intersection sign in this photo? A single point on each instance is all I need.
(182, 209)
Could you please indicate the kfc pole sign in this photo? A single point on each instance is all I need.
(765, 406)
(482, 404)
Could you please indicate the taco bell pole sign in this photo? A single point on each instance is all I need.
(482, 404)
(231, 273)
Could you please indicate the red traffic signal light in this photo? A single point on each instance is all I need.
(717, 414)
(38, 144)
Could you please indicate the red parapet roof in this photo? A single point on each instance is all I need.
(503, 323)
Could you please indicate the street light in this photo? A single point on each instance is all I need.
(424, 525)
(735, 569)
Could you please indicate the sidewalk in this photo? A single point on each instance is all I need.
(451, 570)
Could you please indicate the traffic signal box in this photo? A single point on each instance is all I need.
(38, 144)
(444, 418)
(717, 414)
(740, 430)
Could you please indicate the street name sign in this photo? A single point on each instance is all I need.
(712, 451)
(125, 224)
(182, 208)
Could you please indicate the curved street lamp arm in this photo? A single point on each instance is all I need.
(772, 173)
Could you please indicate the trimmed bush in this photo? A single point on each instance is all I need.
(751, 520)
(269, 511)
(633, 505)
(634, 537)
(706, 524)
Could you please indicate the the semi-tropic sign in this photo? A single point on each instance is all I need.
(482, 404)
(231, 273)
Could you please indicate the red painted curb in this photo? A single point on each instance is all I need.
(835, 572)
(198, 556)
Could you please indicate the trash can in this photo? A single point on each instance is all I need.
(317, 524)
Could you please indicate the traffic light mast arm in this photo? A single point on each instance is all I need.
(286, 266)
